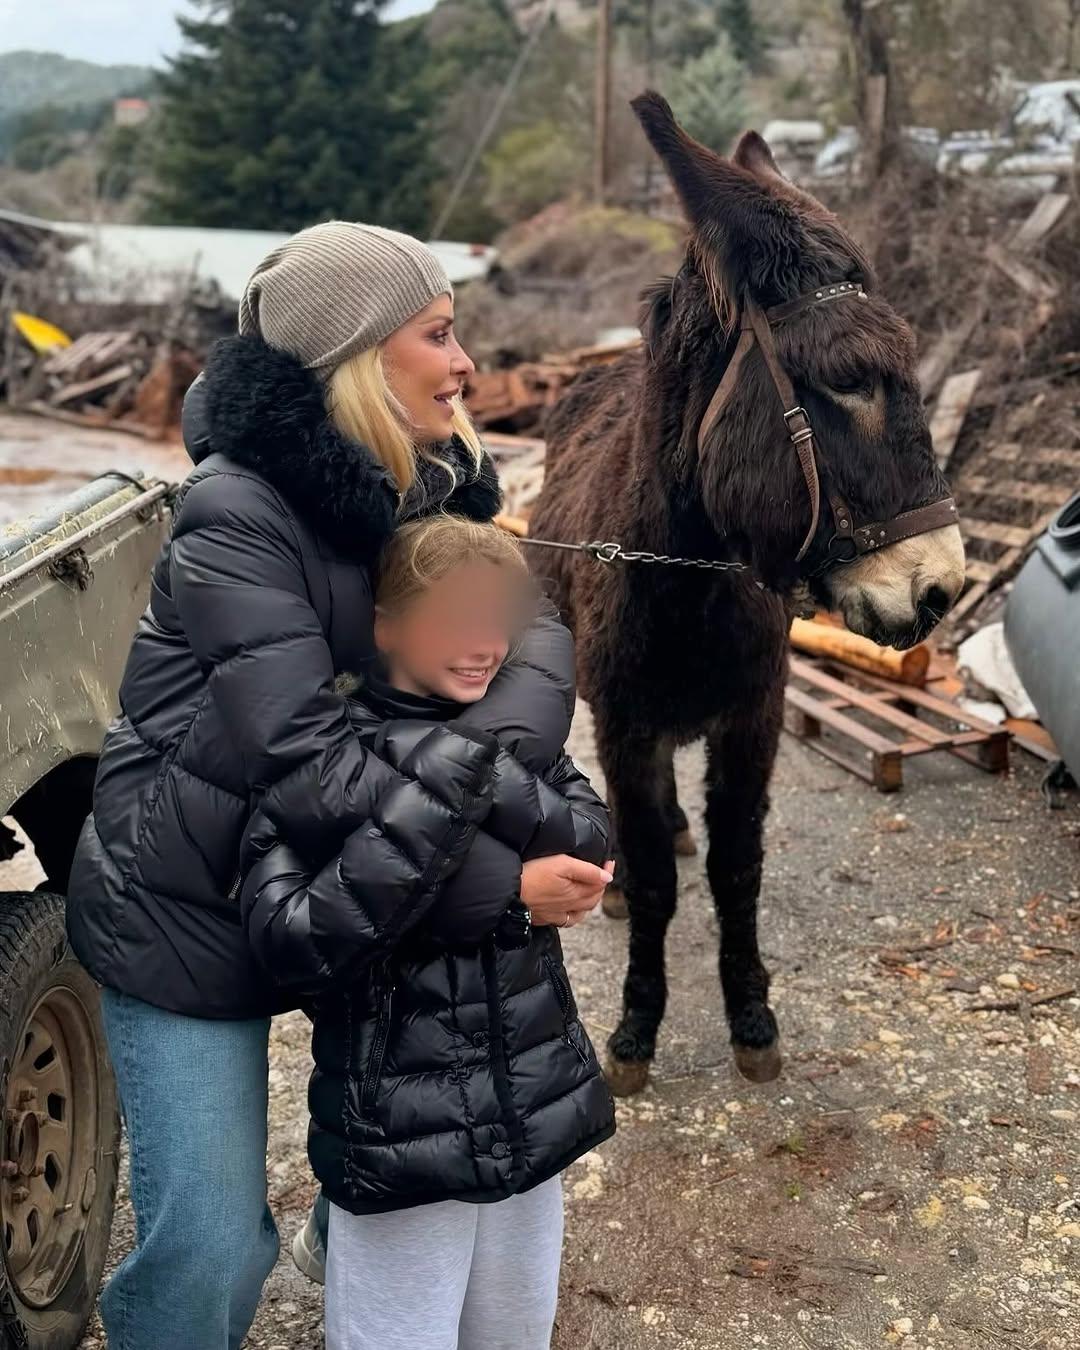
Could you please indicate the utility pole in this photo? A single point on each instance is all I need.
(603, 100)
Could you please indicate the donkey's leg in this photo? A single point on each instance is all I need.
(678, 827)
(649, 883)
(674, 815)
(740, 760)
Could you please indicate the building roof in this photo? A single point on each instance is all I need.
(152, 264)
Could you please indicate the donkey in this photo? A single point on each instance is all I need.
(772, 325)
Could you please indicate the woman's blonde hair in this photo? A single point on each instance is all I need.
(364, 408)
(422, 553)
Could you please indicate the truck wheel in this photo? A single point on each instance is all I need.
(59, 1145)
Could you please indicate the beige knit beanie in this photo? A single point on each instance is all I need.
(337, 289)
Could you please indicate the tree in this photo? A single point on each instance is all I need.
(738, 22)
(278, 113)
(531, 167)
(707, 96)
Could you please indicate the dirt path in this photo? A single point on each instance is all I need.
(912, 1179)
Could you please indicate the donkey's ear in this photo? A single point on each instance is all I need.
(753, 154)
(736, 215)
(699, 174)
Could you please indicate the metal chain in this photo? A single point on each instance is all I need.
(612, 553)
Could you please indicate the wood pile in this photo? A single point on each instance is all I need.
(516, 400)
(121, 376)
(1007, 490)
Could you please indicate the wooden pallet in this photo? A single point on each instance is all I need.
(825, 695)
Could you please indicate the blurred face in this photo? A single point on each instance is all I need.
(426, 368)
(452, 638)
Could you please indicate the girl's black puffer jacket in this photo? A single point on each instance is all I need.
(448, 1063)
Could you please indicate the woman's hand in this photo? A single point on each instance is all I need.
(562, 890)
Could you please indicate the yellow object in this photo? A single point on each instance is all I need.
(43, 337)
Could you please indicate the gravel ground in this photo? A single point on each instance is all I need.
(912, 1178)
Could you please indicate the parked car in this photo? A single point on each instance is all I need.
(72, 587)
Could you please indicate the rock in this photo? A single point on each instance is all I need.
(903, 1326)
(889, 1037)
(590, 1187)
(975, 1202)
(1009, 980)
(1067, 1230)
(889, 921)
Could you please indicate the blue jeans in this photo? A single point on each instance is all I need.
(194, 1097)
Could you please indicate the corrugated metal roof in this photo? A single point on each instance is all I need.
(153, 263)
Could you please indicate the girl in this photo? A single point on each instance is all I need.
(450, 1064)
(332, 419)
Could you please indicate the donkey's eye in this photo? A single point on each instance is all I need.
(860, 387)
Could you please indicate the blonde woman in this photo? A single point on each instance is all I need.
(333, 417)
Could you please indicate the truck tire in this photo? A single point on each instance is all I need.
(60, 1135)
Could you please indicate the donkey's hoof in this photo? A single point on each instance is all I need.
(614, 903)
(625, 1077)
(760, 1064)
(685, 844)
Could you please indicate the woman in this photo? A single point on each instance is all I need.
(332, 418)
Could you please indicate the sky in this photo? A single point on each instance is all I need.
(111, 32)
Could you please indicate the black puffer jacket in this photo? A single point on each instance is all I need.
(448, 1064)
(259, 600)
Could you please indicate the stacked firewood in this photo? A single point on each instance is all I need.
(516, 400)
(123, 376)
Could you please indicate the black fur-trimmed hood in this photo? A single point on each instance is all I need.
(260, 408)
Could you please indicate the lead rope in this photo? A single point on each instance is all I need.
(611, 552)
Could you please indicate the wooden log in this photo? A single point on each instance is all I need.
(1045, 214)
(513, 525)
(949, 414)
(72, 393)
(1020, 274)
(820, 639)
(934, 366)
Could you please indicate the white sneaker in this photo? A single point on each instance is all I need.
(308, 1252)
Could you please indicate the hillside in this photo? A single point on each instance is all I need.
(30, 80)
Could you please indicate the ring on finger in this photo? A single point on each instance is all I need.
(565, 921)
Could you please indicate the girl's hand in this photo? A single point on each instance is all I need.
(562, 890)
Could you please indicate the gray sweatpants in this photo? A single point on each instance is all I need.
(449, 1276)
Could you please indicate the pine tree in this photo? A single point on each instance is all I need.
(279, 113)
(707, 96)
(738, 22)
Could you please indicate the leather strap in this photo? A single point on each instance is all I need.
(795, 419)
(920, 520)
(756, 326)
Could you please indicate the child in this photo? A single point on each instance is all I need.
(450, 1062)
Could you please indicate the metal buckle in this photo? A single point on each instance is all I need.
(806, 433)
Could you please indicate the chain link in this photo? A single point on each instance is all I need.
(612, 552)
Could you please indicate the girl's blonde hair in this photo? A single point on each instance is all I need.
(364, 408)
(422, 553)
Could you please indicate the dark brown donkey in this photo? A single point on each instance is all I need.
(698, 447)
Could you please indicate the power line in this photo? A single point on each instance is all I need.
(486, 132)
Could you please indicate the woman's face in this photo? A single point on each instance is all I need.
(451, 639)
(426, 368)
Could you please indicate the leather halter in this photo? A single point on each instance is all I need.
(756, 325)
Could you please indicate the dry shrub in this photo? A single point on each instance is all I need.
(567, 274)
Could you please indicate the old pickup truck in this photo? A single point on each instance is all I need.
(72, 587)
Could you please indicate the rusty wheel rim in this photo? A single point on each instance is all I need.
(47, 1173)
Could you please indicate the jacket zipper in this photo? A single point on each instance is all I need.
(369, 1090)
(562, 993)
(234, 889)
